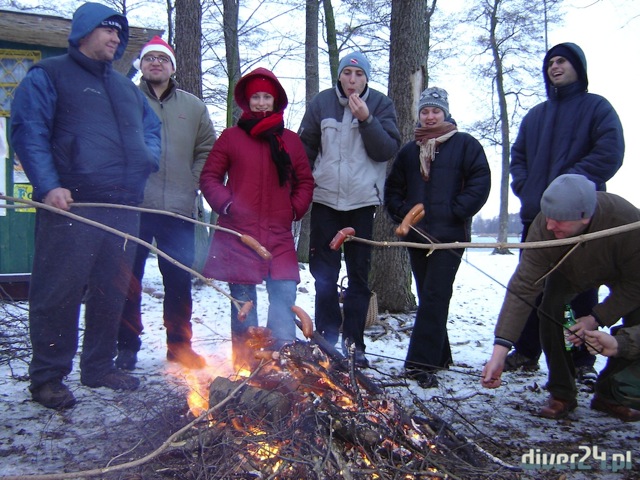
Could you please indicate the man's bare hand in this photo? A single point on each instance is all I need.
(492, 370)
(583, 325)
(602, 343)
(358, 107)
(59, 198)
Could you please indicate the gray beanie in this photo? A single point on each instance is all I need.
(569, 197)
(435, 97)
(355, 59)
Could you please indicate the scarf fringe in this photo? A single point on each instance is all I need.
(428, 146)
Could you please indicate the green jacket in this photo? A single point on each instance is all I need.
(629, 343)
(187, 138)
(613, 261)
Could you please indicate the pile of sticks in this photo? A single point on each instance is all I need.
(309, 414)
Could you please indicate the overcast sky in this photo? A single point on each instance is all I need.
(610, 38)
(611, 41)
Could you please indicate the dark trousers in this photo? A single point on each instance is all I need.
(175, 237)
(529, 342)
(71, 256)
(557, 292)
(429, 347)
(325, 264)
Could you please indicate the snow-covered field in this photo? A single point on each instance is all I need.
(105, 424)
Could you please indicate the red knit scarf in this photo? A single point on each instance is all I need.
(269, 126)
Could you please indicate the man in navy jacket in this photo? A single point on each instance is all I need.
(83, 133)
(572, 132)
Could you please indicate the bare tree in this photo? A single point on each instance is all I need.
(171, 7)
(188, 48)
(511, 41)
(230, 15)
(238, 36)
(332, 43)
(410, 22)
(312, 86)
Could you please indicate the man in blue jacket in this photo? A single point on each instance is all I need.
(572, 132)
(83, 133)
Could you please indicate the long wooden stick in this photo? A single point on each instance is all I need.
(244, 238)
(386, 244)
(503, 245)
(124, 235)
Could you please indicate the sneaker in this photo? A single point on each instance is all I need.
(185, 355)
(515, 360)
(587, 376)
(53, 394)
(127, 359)
(425, 379)
(115, 380)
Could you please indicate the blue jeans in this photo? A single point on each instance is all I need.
(175, 237)
(280, 318)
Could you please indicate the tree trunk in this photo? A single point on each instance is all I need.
(390, 274)
(504, 133)
(189, 77)
(171, 7)
(312, 86)
(188, 47)
(230, 21)
(332, 42)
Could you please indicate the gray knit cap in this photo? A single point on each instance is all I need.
(355, 59)
(435, 97)
(569, 197)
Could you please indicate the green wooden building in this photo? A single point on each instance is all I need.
(26, 38)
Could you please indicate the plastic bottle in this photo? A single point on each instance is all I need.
(569, 320)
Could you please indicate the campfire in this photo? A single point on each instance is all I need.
(305, 412)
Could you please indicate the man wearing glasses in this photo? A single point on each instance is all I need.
(187, 138)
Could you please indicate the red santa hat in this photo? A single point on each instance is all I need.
(156, 44)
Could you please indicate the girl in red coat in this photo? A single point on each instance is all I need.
(258, 179)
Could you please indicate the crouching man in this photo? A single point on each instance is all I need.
(623, 346)
(570, 207)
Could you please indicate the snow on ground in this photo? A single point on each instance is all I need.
(105, 424)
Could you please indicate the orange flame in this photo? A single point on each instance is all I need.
(198, 381)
